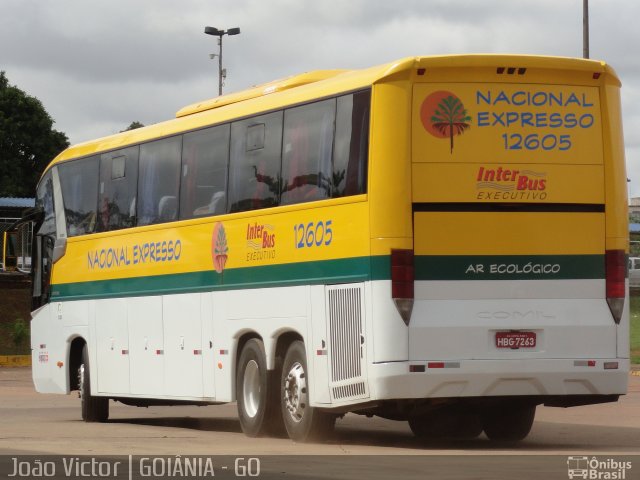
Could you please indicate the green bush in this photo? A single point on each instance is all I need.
(19, 332)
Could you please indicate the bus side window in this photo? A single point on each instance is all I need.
(159, 181)
(351, 149)
(79, 182)
(306, 159)
(254, 167)
(205, 156)
(118, 188)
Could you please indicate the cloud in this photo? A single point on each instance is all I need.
(99, 65)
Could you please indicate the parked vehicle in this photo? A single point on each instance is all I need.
(634, 272)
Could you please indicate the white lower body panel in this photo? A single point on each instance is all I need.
(482, 378)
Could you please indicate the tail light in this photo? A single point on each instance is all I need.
(616, 274)
(402, 276)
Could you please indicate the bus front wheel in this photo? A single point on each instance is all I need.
(258, 407)
(94, 409)
(509, 423)
(302, 421)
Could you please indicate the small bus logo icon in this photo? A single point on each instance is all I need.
(578, 467)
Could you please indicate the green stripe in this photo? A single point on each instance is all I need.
(348, 270)
(509, 267)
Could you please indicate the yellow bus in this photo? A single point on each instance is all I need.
(440, 240)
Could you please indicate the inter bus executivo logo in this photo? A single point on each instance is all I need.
(502, 183)
(597, 469)
(261, 241)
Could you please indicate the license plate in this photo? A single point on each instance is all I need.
(515, 340)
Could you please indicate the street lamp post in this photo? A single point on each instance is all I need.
(585, 28)
(220, 33)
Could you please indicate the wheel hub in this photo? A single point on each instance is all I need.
(80, 380)
(251, 388)
(295, 392)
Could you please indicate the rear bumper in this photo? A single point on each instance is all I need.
(491, 378)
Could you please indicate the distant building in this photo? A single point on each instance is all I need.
(634, 205)
(12, 209)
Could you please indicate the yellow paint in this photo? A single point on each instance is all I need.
(266, 237)
(15, 360)
(507, 233)
(390, 168)
(259, 91)
(511, 123)
(408, 164)
(467, 182)
(615, 178)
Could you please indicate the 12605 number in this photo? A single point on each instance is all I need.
(515, 141)
(313, 234)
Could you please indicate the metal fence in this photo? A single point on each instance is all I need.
(17, 252)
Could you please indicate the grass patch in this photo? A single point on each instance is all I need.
(14, 338)
(635, 329)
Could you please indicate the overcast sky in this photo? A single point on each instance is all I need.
(98, 65)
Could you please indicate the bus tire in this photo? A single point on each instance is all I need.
(302, 421)
(94, 409)
(275, 424)
(508, 423)
(258, 408)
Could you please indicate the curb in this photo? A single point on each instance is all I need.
(15, 360)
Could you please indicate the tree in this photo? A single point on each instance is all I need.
(133, 126)
(451, 118)
(28, 141)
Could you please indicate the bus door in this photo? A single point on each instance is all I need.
(42, 256)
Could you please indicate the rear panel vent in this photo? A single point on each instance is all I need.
(347, 348)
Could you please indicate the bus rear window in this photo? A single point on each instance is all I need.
(351, 148)
(159, 181)
(205, 155)
(117, 196)
(254, 168)
(306, 159)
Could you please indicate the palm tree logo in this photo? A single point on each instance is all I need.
(444, 116)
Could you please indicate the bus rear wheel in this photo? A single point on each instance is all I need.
(258, 406)
(509, 423)
(94, 409)
(302, 421)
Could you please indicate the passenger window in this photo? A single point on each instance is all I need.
(205, 156)
(79, 182)
(117, 189)
(159, 181)
(351, 148)
(254, 170)
(307, 151)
